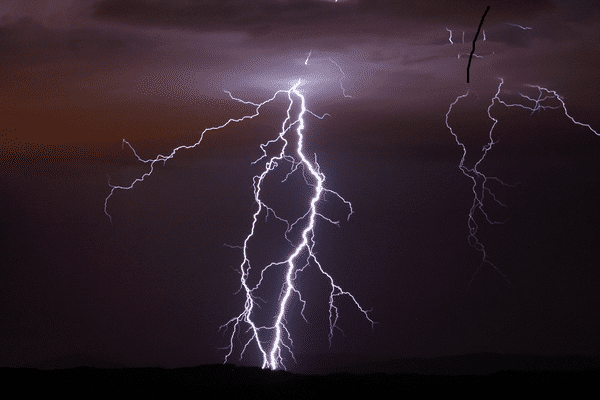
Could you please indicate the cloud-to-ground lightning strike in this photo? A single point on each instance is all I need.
(274, 340)
(480, 188)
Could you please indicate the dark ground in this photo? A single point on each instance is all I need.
(500, 373)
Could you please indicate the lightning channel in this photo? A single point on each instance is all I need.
(450, 38)
(342, 77)
(280, 341)
(274, 340)
(525, 28)
(307, 57)
(480, 181)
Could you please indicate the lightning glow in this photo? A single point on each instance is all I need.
(274, 340)
(480, 188)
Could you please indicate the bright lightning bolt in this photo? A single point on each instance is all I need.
(450, 38)
(480, 181)
(274, 340)
(307, 57)
(281, 339)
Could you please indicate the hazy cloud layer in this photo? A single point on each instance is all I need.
(27, 41)
(311, 18)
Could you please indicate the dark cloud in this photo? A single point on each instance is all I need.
(27, 41)
(308, 18)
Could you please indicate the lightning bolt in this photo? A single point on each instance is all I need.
(274, 340)
(307, 57)
(341, 78)
(450, 38)
(480, 181)
(519, 26)
(281, 340)
(474, 55)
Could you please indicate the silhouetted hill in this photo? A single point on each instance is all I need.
(503, 374)
(469, 364)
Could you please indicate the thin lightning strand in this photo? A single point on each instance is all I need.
(480, 180)
(307, 57)
(479, 188)
(474, 55)
(272, 351)
(342, 74)
(450, 38)
(341, 78)
(550, 94)
(519, 26)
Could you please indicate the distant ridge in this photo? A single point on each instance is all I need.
(253, 382)
(468, 364)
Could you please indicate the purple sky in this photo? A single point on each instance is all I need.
(153, 287)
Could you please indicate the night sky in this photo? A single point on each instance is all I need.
(152, 287)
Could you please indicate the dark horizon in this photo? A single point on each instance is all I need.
(357, 364)
(152, 287)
